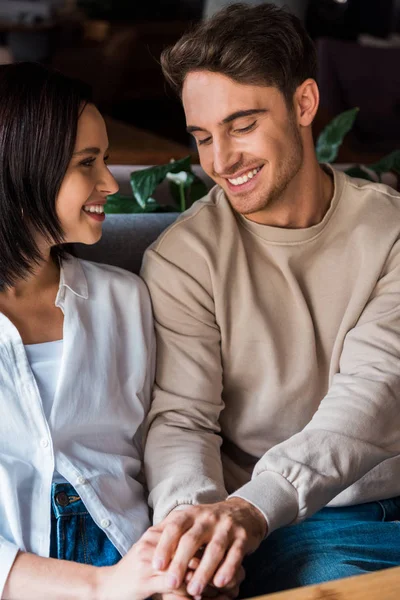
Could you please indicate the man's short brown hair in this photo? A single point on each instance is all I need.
(256, 45)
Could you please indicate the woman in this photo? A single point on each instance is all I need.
(76, 358)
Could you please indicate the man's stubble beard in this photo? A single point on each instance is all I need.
(291, 165)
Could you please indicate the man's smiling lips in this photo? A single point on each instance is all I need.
(244, 181)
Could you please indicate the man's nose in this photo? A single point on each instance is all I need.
(225, 157)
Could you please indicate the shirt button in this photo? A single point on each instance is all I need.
(105, 523)
(44, 443)
(81, 480)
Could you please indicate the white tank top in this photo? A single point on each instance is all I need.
(45, 362)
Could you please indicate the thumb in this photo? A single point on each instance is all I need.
(159, 584)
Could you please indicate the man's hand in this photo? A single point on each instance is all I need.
(229, 530)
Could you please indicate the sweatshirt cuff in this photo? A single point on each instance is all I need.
(8, 553)
(274, 497)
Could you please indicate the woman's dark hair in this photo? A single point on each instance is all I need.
(256, 45)
(39, 111)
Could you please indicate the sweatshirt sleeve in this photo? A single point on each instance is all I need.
(182, 452)
(357, 425)
(8, 554)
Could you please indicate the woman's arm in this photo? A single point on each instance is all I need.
(133, 578)
(39, 578)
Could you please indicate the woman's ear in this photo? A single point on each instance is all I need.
(306, 102)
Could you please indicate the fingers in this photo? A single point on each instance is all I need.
(236, 581)
(173, 529)
(159, 584)
(194, 563)
(212, 557)
(231, 564)
(187, 547)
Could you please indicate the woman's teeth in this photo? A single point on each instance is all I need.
(244, 178)
(94, 208)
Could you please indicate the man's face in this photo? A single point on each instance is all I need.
(248, 140)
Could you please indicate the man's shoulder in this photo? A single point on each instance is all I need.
(365, 191)
(198, 226)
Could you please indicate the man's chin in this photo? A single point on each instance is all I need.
(246, 206)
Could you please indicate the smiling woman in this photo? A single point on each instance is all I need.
(73, 393)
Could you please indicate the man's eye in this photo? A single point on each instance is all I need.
(106, 158)
(244, 129)
(205, 141)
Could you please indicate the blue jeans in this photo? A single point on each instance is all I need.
(74, 534)
(334, 543)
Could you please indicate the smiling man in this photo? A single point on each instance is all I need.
(275, 426)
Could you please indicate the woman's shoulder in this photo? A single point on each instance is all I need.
(103, 275)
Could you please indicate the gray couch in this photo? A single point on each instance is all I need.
(126, 237)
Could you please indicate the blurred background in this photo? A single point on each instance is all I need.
(114, 45)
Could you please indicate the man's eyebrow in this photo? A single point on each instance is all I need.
(236, 115)
(193, 128)
(89, 150)
(244, 113)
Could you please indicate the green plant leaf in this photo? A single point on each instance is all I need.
(389, 163)
(332, 136)
(198, 189)
(118, 203)
(145, 181)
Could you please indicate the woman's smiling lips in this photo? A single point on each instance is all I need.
(95, 210)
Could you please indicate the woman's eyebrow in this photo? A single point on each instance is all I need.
(89, 150)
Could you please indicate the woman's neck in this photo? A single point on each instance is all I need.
(44, 276)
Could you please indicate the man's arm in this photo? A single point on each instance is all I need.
(357, 425)
(182, 453)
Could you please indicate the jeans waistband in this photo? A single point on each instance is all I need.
(65, 501)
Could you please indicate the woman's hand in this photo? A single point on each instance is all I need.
(134, 578)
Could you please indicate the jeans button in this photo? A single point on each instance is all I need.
(62, 499)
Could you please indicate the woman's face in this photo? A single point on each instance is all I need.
(87, 182)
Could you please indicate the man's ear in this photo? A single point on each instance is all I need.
(306, 102)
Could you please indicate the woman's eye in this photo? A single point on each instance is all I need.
(88, 162)
(244, 129)
(106, 158)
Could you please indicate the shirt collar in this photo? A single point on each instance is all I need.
(72, 276)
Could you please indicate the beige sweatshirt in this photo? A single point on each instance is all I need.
(284, 344)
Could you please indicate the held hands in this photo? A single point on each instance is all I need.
(134, 577)
(229, 530)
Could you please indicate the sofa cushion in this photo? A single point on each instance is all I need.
(125, 238)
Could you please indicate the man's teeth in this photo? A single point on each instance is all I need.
(244, 178)
(94, 208)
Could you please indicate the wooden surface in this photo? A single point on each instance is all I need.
(132, 146)
(382, 585)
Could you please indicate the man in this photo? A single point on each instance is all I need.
(277, 306)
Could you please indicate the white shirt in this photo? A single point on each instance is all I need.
(92, 435)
